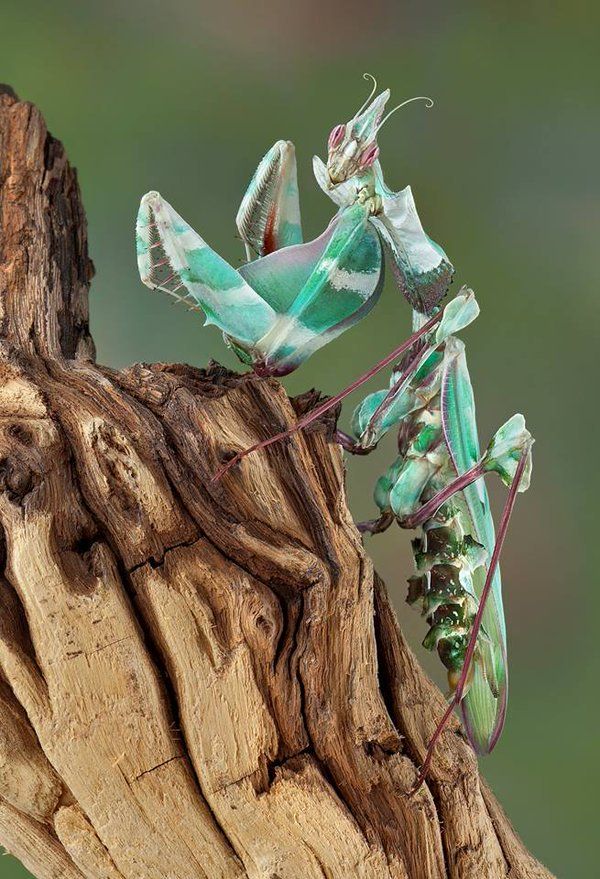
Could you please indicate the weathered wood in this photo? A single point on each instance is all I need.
(197, 679)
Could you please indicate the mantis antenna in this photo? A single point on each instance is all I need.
(373, 90)
(429, 105)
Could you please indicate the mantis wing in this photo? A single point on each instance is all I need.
(269, 215)
(483, 709)
(172, 256)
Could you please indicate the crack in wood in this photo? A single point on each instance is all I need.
(158, 563)
(159, 766)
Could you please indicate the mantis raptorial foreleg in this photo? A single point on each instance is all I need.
(173, 257)
(293, 298)
(276, 310)
(269, 215)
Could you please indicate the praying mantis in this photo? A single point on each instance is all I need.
(291, 298)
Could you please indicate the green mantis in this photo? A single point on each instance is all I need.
(435, 484)
(291, 298)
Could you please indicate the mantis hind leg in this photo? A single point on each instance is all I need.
(349, 444)
(377, 526)
(324, 407)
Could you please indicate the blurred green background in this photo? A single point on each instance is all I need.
(185, 97)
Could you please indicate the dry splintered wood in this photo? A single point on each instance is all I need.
(197, 680)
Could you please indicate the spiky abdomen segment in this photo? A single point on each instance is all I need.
(444, 558)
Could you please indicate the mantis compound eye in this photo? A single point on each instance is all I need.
(336, 136)
(369, 156)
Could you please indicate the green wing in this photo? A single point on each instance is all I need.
(483, 710)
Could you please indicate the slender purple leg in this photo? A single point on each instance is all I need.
(390, 396)
(332, 401)
(376, 526)
(460, 687)
(431, 506)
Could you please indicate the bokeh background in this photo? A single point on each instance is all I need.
(186, 96)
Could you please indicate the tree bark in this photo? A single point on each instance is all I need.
(197, 680)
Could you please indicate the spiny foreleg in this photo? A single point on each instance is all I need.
(269, 214)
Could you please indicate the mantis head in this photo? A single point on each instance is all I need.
(352, 147)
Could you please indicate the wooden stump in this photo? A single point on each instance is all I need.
(197, 681)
